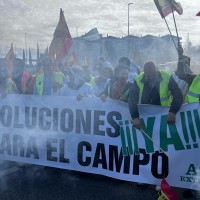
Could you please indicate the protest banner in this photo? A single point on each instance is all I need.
(96, 137)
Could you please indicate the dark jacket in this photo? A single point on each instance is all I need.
(187, 77)
(125, 94)
(152, 96)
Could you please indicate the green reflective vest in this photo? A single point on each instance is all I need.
(59, 77)
(165, 99)
(92, 80)
(9, 86)
(193, 93)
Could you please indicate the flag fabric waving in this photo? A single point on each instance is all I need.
(198, 14)
(166, 192)
(62, 40)
(165, 7)
(92, 35)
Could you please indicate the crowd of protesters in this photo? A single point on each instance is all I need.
(102, 81)
(123, 82)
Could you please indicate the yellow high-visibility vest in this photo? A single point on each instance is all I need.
(92, 80)
(59, 77)
(9, 86)
(39, 83)
(165, 99)
(193, 93)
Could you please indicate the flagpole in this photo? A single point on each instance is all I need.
(25, 49)
(153, 141)
(170, 33)
(175, 23)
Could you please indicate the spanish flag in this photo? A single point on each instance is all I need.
(166, 192)
(165, 7)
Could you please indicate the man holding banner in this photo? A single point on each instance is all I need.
(154, 87)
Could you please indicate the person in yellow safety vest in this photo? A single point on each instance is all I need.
(154, 87)
(7, 86)
(192, 94)
(193, 80)
(61, 72)
(48, 82)
(87, 75)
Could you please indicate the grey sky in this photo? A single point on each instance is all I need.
(39, 18)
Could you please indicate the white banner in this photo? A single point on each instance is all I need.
(85, 136)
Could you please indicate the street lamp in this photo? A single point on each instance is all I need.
(25, 49)
(128, 17)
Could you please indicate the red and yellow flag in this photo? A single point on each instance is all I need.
(166, 192)
(62, 40)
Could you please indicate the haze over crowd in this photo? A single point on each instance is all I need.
(39, 18)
